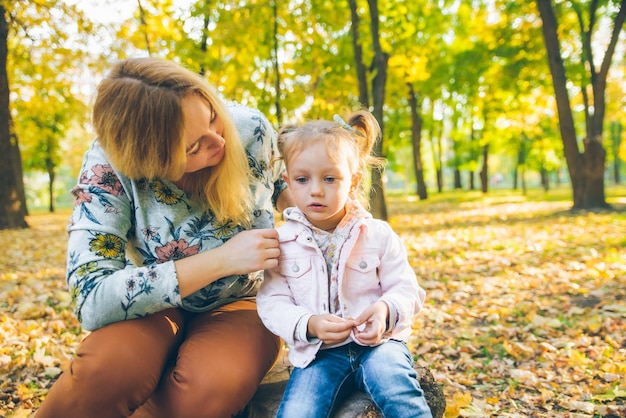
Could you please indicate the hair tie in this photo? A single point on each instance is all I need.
(345, 126)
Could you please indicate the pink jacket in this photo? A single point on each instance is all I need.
(373, 266)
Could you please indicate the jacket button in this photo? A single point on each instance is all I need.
(309, 239)
(362, 264)
(295, 268)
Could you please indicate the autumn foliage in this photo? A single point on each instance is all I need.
(525, 313)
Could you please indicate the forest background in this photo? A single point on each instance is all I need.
(464, 90)
(475, 98)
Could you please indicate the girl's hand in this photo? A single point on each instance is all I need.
(329, 328)
(371, 324)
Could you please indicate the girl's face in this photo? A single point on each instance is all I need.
(320, 187)
(203, 134)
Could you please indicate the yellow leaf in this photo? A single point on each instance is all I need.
(518, 350)
(459, 400)
(577, 359)
(22, 413)
(24, 392)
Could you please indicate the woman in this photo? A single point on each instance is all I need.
(173, 220)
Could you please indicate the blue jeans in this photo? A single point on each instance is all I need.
(384, 372)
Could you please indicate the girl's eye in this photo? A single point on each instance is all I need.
(301, 180)
(329, 179)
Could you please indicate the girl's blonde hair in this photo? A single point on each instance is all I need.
(138, 118)
(357, 136)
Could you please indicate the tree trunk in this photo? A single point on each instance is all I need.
(379, 67)
(144, 24)
(588, 192)
(12, 197)
(559, 82)
(378, 206)
(275, 65)
(456, 161)
(439, 165)
(361, 70)
(51, 177)
(435, 140)
(204, 40)
(267, 398)
(616, 141)
(594, 158)
(439, 173)
(521, 160)
(545, 182)
(433, 145)
(484, 171)
(457, 179)
(416, 140)
(474, 155)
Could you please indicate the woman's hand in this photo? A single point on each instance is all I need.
(329, 328)
(246, 252)
(252, 250)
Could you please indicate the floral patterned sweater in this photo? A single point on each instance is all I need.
(125, 235)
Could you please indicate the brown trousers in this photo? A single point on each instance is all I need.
(170, 364)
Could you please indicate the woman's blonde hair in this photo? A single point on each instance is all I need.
(356, 136)
(138, 118)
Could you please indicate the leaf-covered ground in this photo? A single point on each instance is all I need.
(525, 315)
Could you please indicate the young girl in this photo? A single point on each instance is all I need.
(343, 295)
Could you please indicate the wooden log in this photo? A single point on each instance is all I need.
(265, 402)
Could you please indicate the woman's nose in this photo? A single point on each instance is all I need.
(215, 140)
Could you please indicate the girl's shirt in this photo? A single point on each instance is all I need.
(330, 244)
(125, 235)
(371, 266)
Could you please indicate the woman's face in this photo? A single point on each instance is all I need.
(203, 134)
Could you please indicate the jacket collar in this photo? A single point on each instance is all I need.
(296, 222)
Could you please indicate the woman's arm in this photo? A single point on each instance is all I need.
(106, 288)
(246, 252)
